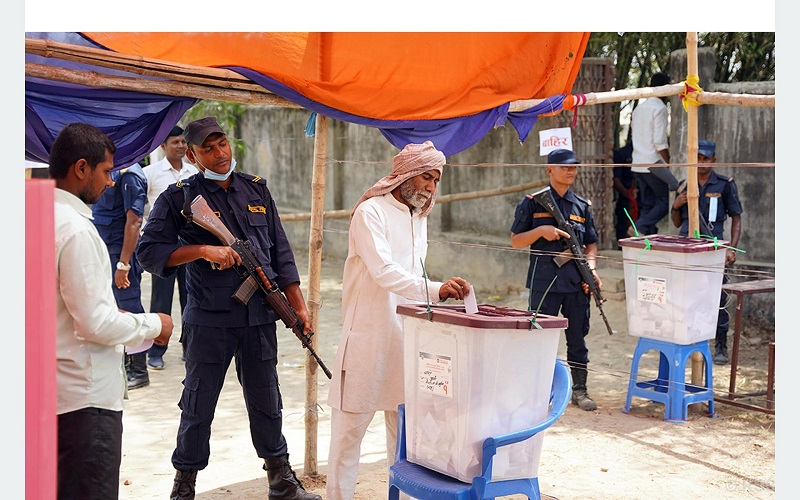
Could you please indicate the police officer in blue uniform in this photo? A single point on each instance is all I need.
(718, 199)
(216, 327)
(534, 226)
(118, 218)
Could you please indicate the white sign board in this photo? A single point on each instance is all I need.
(555, 138)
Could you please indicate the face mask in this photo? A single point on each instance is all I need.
(213, 176)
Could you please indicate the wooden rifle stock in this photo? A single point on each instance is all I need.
(255, 278)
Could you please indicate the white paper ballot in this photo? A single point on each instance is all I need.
(470, 302)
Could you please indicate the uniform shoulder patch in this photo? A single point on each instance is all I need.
(178, 186)
(254, 178)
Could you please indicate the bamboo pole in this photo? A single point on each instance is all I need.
(593, 98)
(448, 198)
(161, 87)
(724, 99)
(691, 179)
(139, 65)
(691, 140)
(719, 98)
(314, 299)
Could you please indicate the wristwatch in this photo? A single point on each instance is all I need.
(123, 267)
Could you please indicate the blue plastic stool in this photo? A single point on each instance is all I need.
(670, 387)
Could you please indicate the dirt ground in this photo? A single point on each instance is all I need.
(605, 454)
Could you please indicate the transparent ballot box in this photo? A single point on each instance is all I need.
(672, 286)
(472, 376)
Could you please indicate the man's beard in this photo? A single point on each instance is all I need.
(417, 198)
(88, 197)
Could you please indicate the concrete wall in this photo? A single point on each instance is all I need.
(471, 238)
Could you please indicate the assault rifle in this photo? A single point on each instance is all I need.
(545, 198)
(255, 278)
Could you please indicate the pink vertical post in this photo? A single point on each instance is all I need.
(40, 341)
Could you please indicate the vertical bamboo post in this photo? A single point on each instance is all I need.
(691, 177)
(691, 140)
(314, 297)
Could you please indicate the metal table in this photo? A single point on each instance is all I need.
(740, 290)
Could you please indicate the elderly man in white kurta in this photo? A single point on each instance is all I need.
(387, 245)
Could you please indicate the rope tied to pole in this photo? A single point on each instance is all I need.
(691, 89)
(572, 101)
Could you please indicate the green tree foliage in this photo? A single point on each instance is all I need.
(228, 115)
(742, 57)
(638, 55)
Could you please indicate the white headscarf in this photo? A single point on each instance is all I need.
(413, 160)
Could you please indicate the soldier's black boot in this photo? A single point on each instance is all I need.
(283, 483)
(136, 365)
(183, 485)
(580, 397)
(720, 354)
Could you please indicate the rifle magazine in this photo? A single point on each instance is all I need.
(246, 290)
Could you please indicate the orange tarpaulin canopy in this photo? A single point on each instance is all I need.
(389, 76)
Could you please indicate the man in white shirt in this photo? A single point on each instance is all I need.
(161, 174)
(649, 125)
(91, 331)
(387, 244)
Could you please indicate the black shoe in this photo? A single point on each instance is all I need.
(721, 356)
(581, 399)
(136, 367)
(183, 485)
(135, 382)
(283, 482)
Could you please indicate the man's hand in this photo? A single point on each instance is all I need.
(596, 276)
(166, 329)
(730, 257)
(121, 278)
(223, 256)
(295, 298)
(455, 288)
(552, 233)
(680, 201)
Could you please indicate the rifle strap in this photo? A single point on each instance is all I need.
(186, 211)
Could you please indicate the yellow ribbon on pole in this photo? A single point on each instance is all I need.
(691, 87)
